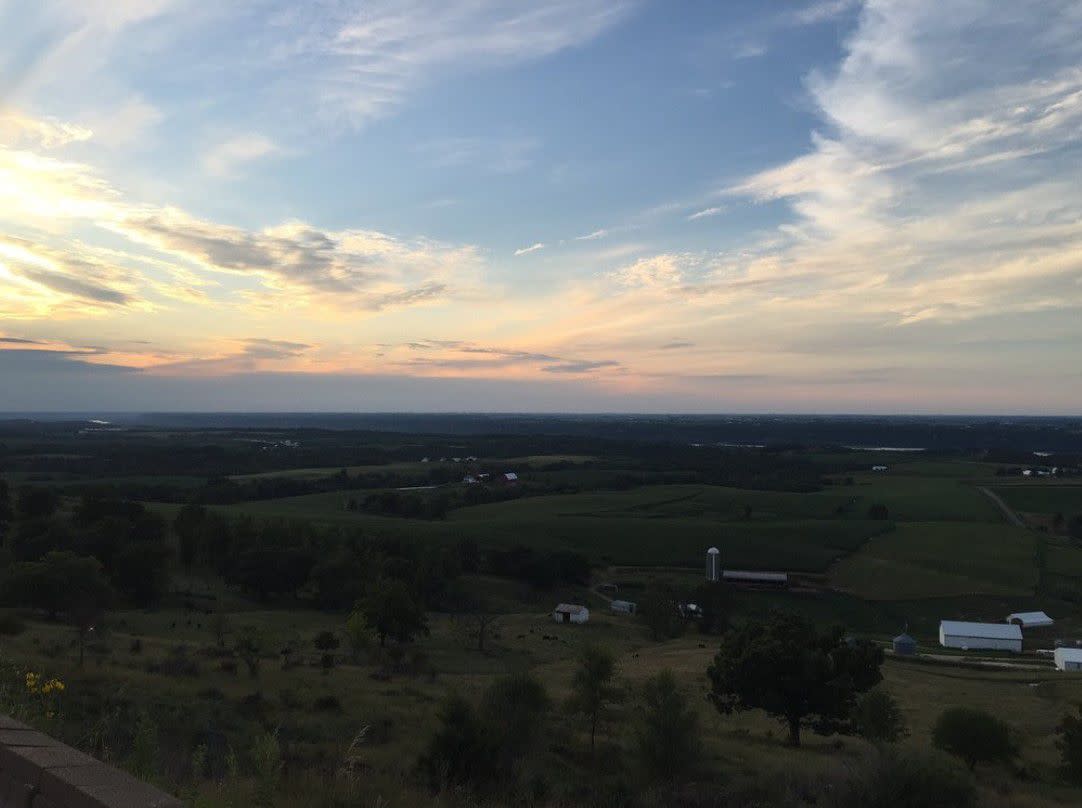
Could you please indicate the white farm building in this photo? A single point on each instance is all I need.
(1030, 619)
(1068, 659)
(980, 636)
(570, 613)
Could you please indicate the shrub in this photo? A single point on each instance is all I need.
(668, 740)
(878, 717)
(327, 704)
(1069, 743)
(973, 735)
(909, 780)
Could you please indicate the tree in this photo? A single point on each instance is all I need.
(474, 607)
(140, 571)
(1069, 743)
(461, 752)
(657, 609)
(37, 503)
(973, 735)
(6, 511)
(513, 708)
(187, 524)
(878, 511)
(878, 717)
(787, 668)
(1074, 527)
(391, 611)
(714, 600)
(249, 647)
(327, 643)
(668, 738)
(62, 582)
(592, 689)
(358, 634)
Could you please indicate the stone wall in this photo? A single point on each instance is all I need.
(39, 772)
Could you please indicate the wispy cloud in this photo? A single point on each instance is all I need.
(596, 234)
(705, 213)
(227, 157)
(532, 248)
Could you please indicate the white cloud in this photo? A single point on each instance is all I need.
(706, 212)
(226, 158)
(593, 236)
(17, 130)
(532, 248)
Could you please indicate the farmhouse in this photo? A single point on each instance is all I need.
(980, 636)
(1068, 659)
(570, 613)
(1030, 619)
(623, 607)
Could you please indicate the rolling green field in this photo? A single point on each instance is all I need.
(1040, 497)
(935, 559)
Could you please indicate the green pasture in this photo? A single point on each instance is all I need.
(938, 559)
(1041, 497)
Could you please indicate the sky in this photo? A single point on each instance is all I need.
(541, 205)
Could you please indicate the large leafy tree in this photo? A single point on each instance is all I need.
(62, 583)
(391, 610)
(791, 670)
(973, 735)
(593, 686)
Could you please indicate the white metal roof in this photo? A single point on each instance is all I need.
(1069, 654)
(571, 608)
(511, 476)
(1031, 619)
(985, 631)
(746, 575)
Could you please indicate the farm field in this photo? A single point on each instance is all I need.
(935, 560)
(293, 571)
(1041, 497)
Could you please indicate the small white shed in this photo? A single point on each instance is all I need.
(1030, 619)
(623, 607)
(1068, 659)
(980, 636)
(570, 613)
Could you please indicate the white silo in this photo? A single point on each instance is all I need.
(713, 564)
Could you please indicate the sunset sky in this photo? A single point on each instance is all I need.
(543, 205)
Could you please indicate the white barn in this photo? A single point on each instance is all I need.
(980, 636)
(1068, 659)
(570, 613)
(623, 606)
(1030, 619)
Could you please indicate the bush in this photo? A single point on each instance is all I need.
(327, 704)
(878, 717)
(909, 780)
(973, 735)
(1069, 744)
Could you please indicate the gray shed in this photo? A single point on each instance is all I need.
(904, 645)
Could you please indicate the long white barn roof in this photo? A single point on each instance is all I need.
(984, 631)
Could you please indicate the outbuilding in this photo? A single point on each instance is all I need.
(1068, 659)
(750, 578)
(570, 613)
(980, 636)
(1030, 619)
(623, 607)
(904, 645)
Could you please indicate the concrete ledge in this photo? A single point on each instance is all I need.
(37, 771)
